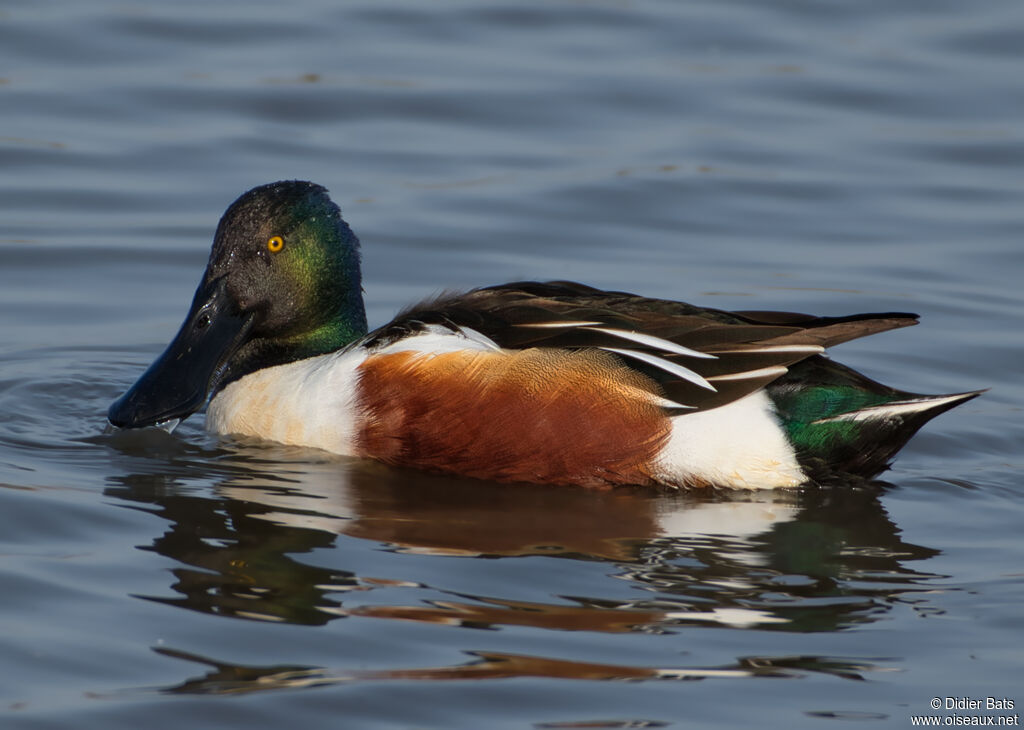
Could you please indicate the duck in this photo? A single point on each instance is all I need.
(544, 382)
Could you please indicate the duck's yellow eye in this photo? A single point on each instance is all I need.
(275, 244)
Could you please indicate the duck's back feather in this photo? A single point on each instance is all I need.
(696, 357)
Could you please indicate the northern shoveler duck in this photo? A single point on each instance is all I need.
(541, 382)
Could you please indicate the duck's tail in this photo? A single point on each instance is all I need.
(842, 423)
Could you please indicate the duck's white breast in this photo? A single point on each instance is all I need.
(306, 403)
(313, 402)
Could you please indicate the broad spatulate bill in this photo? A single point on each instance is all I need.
(552, 382)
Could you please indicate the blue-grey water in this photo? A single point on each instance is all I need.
(830, 157)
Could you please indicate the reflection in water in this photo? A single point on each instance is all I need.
(793, 562)
(238, 679)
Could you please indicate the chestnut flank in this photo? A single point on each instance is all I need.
(535, 415)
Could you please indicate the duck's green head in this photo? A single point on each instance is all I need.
(282, 284)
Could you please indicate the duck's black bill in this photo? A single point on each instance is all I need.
(178, 383)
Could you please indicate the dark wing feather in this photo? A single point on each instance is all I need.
(750, 349)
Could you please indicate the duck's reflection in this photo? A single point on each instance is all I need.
(795, 561)
(224, 678)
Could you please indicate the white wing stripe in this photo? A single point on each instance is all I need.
(659, 343)
(652, 341)
(809, 349)
(669, 367)
(751, 374)
(891, 410)
(658, 400)
(556, 325)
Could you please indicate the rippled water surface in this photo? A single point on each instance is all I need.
(823, 157)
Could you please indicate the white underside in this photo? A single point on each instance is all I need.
(739, 445)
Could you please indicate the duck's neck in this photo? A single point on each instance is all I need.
(347, 326)
(265, 352)
(328, 337)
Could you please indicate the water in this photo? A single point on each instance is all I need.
(830, 158)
